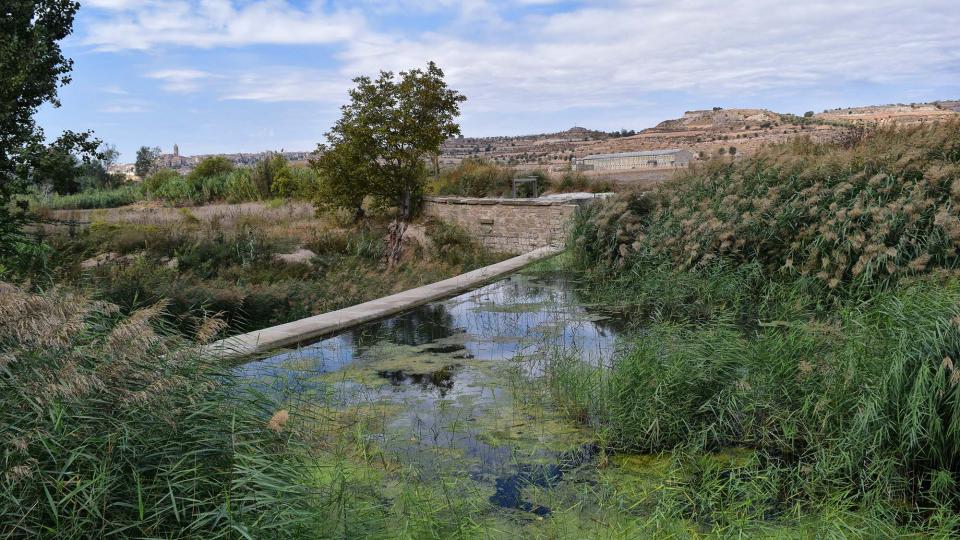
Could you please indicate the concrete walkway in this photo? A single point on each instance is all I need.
(289, 334)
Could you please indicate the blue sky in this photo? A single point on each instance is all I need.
(253, 75)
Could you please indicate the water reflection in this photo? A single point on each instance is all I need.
(441, 366)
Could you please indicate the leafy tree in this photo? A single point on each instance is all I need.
(212, 166)
(732, 150)
(394, 125)
(268, 172)
(345, 177)
(61, 163)
(146, 162)
(808, 114)
(32, 68)
(95, 173)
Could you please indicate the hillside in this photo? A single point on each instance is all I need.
(704, 132)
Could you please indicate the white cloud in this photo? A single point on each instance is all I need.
(604, 54)
(121, 108)
(213, 23)
(286, 84)
(180, 80)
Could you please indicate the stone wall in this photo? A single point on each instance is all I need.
(510, 225)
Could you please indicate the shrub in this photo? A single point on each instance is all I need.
(474, 178)
(212, 166)
(94, 198)
(297, 183)
(176, 190)
(265, 173)
(239, 187)
(156, 180)
(453, 245)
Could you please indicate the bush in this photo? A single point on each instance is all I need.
(577, 181)
(156, 180)
(212, 166)
(94, 198)
(176, 190)
(239, 187)
(474, 178)
(267, 172)
(296, 183)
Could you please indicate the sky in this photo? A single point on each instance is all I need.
(217, 76)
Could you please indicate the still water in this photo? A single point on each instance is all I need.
(457, 384)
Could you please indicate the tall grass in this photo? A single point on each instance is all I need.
(883, 209)
(801, 305)
(94, 198)
(112, 429)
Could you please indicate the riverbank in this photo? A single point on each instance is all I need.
(253, 264)
(797, 309)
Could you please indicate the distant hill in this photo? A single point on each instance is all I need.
(703, 132)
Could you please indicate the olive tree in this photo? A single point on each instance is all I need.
(384, 141)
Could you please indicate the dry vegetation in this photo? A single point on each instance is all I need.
(703, 132)
(228, 259)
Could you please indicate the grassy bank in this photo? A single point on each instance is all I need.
(230, 261)
(801, 308)
(115, 427)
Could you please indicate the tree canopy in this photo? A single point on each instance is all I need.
(385, 138)
(146, 162)
(32, 69)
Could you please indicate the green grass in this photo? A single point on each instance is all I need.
(838, 380)
(115, 429)
(229, 267)
(94, 198)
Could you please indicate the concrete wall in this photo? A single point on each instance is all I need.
(510, 225)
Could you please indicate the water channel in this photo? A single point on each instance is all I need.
(454, 387)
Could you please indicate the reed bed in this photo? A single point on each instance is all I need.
(112, 428)
(799, 307)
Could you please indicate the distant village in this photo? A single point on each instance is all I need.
(184, 164)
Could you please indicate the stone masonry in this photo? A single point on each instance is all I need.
(510, 225)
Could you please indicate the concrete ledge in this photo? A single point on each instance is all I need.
(289, 334)
(560, 199)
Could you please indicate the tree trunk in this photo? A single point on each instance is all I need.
(397, 228)
(395, 242)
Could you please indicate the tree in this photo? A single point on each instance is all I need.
(61, 163)
(212, 166)
(269, 173)
(808, 114)
(394, 126)
(733, 150)
(146, 161)
(344, 178)
(32, 68)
